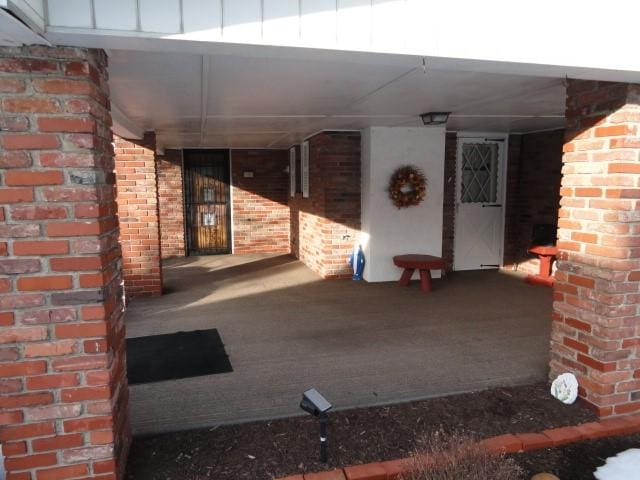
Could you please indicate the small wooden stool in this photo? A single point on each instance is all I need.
(423, 263)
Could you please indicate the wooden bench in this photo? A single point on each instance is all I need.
(423, 263)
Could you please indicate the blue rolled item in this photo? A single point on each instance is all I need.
(356, 260)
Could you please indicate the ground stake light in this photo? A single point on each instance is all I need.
(318, 406)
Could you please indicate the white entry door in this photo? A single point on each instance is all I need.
(478, 234)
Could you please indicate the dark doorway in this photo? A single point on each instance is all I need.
(207, 201)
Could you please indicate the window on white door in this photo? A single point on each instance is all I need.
(479, 173)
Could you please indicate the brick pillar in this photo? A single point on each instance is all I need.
(171, 204)
(596, 323)
(137, 182)
(63, 389)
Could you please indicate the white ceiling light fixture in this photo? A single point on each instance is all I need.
(435, 118)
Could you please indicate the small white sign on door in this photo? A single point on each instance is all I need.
(208, 194)
(208, 219)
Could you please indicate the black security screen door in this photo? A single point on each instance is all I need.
(207, 201)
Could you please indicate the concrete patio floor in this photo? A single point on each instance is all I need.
(285, 330)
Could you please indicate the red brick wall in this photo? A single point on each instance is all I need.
(307, 236)
(63, 403)
(533, 186)
(171, 203)
(511, 225)
(449, 197)
(260, 210)
(137, 197)
(595, 328)
(327, 224)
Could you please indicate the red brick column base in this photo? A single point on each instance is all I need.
(63, 388)
(596, 323)
(137, 182)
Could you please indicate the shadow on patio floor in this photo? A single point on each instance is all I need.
(285, 329)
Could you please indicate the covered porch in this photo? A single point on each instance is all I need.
(102, 107)
(304, 159)
(286, 329)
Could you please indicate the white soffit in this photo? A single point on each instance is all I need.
(123, 126)
(31, 12)
(114, 14)
(273, 102)
(13, 32)
(71, 13)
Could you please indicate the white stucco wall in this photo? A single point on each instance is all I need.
(388, 231)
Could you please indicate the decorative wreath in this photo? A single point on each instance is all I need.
(407, 187)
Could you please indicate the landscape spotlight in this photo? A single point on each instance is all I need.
(314, 403)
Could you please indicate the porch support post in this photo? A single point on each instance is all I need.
(596, 322)
(63, 387)
(137, 197)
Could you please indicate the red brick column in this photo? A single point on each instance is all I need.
(63, 389)
(596, 323)
(171, 204)
(137, 182)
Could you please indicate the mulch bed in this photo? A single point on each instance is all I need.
(577, 461)
(273, 449)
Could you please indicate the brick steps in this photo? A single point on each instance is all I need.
(507, 443)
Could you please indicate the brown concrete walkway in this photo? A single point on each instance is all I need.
(285, 330)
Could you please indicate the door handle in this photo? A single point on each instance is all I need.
(494, 205)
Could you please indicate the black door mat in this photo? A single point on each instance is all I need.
(176, 355)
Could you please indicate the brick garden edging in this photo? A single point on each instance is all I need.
(507, 443)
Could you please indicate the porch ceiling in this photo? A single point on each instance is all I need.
(244, 101)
